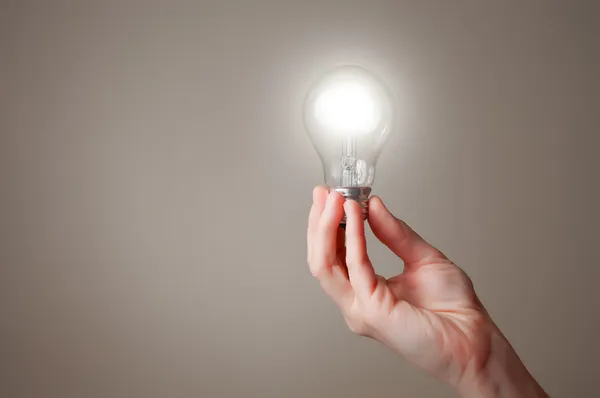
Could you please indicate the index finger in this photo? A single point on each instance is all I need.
(360, 270)
(319, 198)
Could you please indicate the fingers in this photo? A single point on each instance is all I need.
(360, 271)
(399, 237)
(324, 245)
(319, 198)
(334, 282)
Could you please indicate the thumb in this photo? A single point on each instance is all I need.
(399, 237)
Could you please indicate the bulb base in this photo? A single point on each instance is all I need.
(359, 194)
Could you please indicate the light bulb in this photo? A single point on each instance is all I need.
(348, 115)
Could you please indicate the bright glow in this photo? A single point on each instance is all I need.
(347, 107)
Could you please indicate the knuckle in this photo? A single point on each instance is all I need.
(356, 260)
(362, 321)
(358, 327)
(311, 265)
(316, 269)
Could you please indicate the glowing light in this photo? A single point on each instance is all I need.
(347, 107)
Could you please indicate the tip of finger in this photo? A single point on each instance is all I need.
(377, 208)
(350, 205)
(336, 197)
(375, 200)
(319, 189)
(352, 209)
(319, 192)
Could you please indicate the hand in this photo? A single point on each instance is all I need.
(429, 313)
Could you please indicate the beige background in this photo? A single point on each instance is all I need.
(156, 180)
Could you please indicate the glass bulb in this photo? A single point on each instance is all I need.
(348, 115)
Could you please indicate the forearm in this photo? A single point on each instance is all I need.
(502, 376)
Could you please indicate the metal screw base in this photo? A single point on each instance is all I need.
(359, 194)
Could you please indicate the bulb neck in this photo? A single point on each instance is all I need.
(359, 194)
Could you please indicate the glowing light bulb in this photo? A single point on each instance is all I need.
(348, 115)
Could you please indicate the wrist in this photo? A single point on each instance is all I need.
(502, 375)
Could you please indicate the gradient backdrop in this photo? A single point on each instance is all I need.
(156, 180)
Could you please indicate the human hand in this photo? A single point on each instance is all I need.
(429, 313)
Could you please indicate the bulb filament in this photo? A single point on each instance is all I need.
(349, 170)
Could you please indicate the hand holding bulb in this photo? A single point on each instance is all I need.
(429, 313)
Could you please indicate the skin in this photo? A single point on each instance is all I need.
(429, 313)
